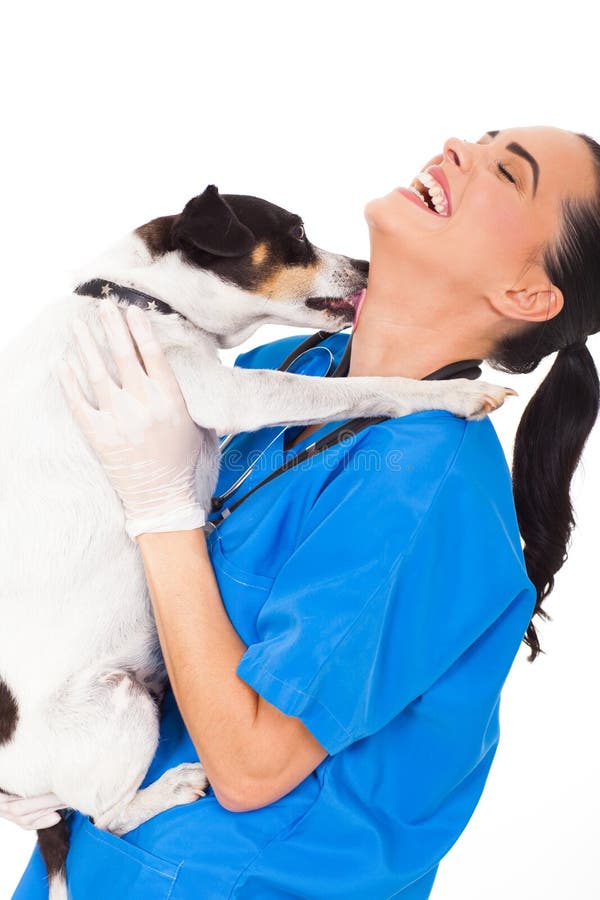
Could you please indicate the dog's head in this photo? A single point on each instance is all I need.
(263, 267)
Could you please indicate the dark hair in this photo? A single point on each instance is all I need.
(559, 417)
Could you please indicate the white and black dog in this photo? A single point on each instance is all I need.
(80, 663)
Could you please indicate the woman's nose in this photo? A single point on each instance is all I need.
(459, 153)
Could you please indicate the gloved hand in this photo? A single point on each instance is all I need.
(31, 812)
(142, 432)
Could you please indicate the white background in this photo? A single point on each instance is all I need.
(115, 113)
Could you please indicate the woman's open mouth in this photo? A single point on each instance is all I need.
(431, 191)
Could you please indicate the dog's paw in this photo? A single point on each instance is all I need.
(473, 399)
(187, 782)
(183, 784)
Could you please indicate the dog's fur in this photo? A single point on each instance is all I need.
(80, 662)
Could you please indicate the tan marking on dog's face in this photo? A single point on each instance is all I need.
(259, 254)
(283, 283)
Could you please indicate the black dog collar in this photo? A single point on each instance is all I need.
(100, 288)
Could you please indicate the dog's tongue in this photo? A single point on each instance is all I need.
(357, 301)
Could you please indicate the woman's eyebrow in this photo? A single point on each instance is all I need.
(521, 151)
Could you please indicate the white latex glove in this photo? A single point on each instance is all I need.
(31, 812)
(142, 432)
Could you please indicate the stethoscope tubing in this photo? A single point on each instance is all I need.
(311, 343)
(462, 368)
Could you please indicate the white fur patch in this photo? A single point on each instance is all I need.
(57, 887)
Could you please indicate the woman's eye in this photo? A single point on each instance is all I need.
(298, 232)
(505, 173)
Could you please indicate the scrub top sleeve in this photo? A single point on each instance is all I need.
(375, 604)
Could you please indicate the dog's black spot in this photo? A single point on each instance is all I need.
(9, 713)
(54, 841)
(218, 232)
(54, 846)
(276, 227)
(209, 224)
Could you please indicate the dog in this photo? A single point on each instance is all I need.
(80, 691)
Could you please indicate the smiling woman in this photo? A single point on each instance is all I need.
(338, 643)
(507, 270)
(432, 188)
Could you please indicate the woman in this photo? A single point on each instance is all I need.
(337, 646)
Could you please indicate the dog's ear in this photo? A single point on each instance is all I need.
(210, 224)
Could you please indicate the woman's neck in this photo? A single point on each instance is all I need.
(401, 346)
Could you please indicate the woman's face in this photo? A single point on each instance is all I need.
(505, 193)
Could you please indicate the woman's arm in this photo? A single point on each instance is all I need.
(253, 753)
(148, 444)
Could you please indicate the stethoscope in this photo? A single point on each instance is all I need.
(468, 368)
(311, 344)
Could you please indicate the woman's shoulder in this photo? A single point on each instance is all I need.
(432, 443)
(435, 441)
(443, 467)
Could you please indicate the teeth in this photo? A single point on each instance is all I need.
(418, 194)
(435, 192)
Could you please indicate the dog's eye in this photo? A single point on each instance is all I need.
(298, 232)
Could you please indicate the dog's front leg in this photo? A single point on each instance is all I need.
(231, 400)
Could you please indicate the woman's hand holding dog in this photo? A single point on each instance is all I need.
(141, 431)
(31, 812)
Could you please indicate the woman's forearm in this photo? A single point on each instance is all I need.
(252, 752)
(202, 650)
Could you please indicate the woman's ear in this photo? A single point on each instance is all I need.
(534, 303)
(209, 224)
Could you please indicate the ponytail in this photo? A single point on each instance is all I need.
(561, 414)
(548, 446)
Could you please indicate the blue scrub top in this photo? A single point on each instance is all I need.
(381, 590)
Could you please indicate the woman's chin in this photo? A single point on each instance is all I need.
(376, 212)
(392, 213)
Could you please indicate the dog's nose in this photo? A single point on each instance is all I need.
(361, 264)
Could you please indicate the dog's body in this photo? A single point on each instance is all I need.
(73, 591)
